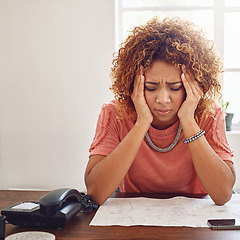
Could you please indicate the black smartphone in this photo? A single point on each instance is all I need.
(224, 223)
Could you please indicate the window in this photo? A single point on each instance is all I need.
(219, 18)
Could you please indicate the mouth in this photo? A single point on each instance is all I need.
(163, 112)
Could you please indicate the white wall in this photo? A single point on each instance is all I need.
(55, 58)
(234, 141)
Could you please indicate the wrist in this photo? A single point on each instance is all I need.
(142, 126)
(190, 128)
(187, 121)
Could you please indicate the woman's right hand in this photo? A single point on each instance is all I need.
(144, 115)
(105, 173)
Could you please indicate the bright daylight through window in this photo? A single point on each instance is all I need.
(219, 18)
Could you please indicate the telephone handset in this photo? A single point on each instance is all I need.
(55, 200)
(54, 210)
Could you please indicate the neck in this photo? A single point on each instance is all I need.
(163, 125)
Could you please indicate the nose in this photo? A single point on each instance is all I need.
(163, 96)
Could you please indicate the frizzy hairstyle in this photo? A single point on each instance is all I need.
(174, 41)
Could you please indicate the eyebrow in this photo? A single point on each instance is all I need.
(173, 83)
(169, 83)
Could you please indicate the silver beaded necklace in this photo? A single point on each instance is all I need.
(167, 148)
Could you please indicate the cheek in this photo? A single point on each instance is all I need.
(180, 98)
(149, 98)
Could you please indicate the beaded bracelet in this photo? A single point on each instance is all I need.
(194, 137)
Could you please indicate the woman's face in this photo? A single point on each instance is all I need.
(164, 93)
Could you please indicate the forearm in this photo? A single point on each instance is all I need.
(215, 175)
(103, 178)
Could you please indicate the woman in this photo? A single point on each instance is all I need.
(164, 132)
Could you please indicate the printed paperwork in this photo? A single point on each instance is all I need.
(177, 211)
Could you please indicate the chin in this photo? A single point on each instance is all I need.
(163, 122)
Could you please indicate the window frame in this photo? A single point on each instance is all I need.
(219, 9)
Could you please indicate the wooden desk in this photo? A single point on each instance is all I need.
(79, 227)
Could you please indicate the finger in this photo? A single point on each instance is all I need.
(198, 88)
(186, 74)
(141, 84)
(195, 87)
(183, 67)
(193, 91)
(186, 85)
(186, 77)
(137, 79)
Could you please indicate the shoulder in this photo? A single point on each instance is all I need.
(112, 110)
(213, 117)
(110, 115)
(110, 105)
(109, 109)
(214, 123)
(215, 128)
(218, 110)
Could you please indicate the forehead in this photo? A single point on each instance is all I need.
(161, 70)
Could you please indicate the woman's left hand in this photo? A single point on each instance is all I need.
(193, 95)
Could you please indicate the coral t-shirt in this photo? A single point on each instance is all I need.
(152, 171)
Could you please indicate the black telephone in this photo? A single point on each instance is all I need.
(54, 210)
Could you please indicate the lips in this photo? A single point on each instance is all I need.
(163, 112)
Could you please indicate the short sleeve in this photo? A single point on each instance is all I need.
(216, 135)
(106, 137)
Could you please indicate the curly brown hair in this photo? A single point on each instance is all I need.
(174, 41)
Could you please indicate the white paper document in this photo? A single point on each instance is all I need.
(177, 211)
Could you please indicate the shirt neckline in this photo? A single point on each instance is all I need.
(172, 130)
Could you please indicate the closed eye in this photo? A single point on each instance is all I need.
(151, 86)
(175, 86)
(151, 89)
(175, 89)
